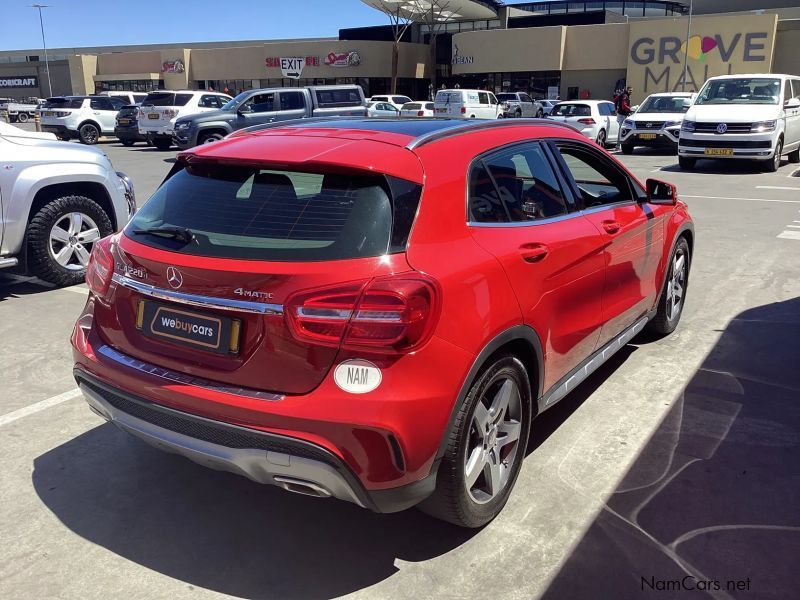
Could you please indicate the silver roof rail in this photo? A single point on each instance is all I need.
(477, 125)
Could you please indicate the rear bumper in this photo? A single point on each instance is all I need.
(60, 130)
(129, 133)
(293, 464)
(731, 146)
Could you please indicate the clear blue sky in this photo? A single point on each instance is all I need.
(113, 22)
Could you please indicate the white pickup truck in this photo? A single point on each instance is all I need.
(56, 200)
(22, 112)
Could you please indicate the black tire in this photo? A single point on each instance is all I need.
(127, 142)
(207, 138)
(666, 318)
(89, 134)
(22, 117)
(41, 262)
(773, 164)
(794, 156)
(540, 114)
(627, 148)
(601, 138)
(687, 164)
(162, 143)
(451, 501)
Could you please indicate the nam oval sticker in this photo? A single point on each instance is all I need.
(357, 376)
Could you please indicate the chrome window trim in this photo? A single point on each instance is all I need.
(261, 308)
(183, 378)
(571, 215)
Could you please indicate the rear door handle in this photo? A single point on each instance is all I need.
(533, 252)
(611, 226)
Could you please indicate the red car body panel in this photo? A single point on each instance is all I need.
(583, 286)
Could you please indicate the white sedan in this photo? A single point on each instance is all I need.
(382, 109)
(417, 109)
(596, 119)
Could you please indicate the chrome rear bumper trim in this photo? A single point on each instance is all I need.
(213, 302)
(274, 468)
(182, 378)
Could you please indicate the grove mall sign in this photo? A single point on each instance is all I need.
(716, 46)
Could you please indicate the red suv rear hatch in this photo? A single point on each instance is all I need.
(204, 272)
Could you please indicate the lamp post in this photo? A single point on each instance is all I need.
(44, 45)
(686, 55)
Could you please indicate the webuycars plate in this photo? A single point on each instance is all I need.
(188, 328)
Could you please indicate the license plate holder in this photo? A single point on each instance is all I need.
(48, 113)
(153, 116)
(647, 136)
(188, 328)
(719, 151)
(124, 121)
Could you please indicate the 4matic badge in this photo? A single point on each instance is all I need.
(255, 295)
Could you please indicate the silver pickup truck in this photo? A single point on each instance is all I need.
(56, 200)
(259, 107)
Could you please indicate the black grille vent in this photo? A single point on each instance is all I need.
(731, 127)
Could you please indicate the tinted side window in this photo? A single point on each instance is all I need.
(515, 185)
(525, 98)
(787, 91)
(492, 99)
(182, 99)
(605, 109)
(101, 104)
(598, 181)
(483, 97)
(341, 97)
(208, 101)
(260, 103)
(292, 100)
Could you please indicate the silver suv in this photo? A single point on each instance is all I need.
(56, 200)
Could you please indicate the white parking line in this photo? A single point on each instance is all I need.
(76, 289)
(790, 235)
(777, 187)
(38, 407)
(745, 199)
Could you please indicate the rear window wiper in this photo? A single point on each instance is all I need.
(182, 234)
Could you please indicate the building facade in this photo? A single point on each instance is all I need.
(555, 49)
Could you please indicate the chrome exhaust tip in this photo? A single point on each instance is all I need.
(300, 486)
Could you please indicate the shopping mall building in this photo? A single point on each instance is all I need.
(549, 49)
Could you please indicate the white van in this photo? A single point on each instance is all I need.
(743, 116)
(467, 104)
(129, 97)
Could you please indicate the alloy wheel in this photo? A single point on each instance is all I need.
(71, 240)
(493, 440)
(676, 286)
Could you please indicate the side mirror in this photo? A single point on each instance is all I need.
(244, 109)
(792, 103)
(661, 192)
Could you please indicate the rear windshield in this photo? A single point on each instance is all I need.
(507, 97)
(412, 106)
(166, 99)
(277, 215)
(63, 103)
(446, 97)
(571, 110)
(338, 98)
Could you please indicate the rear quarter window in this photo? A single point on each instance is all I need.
(278, 215)
(338, 98)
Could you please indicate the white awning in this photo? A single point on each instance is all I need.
(446, 10)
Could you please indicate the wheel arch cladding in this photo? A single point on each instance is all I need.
(521, 341)
(91, 189)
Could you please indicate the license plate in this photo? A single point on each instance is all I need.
(153, 116)
(124, 121)
(48, 113)
(209, 333)
(719, 151)
(647, 136)
(441, 110)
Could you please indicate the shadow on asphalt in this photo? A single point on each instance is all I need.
(721, 167)
(714, 493)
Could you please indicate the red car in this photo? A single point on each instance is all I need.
(375, 310)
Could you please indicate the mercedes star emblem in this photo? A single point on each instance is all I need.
(722, 128)
(174, 278)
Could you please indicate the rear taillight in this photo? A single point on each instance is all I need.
(387, 314)
(100, 268)
(463, 110)
(170, 112)
(421, 113)
(588, 121)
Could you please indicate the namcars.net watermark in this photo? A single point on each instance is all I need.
(691, 583)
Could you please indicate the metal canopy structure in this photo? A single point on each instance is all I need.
(448, 10)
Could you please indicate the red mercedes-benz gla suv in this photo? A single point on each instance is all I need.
(375, 310)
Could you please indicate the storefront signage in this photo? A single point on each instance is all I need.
(343, 59)
(19, 81)
(274, 62)
(460, 59)
(716, 46)
(173, 66)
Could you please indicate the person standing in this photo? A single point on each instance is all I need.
(622, 103)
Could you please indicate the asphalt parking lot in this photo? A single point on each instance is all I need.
(678, 457)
